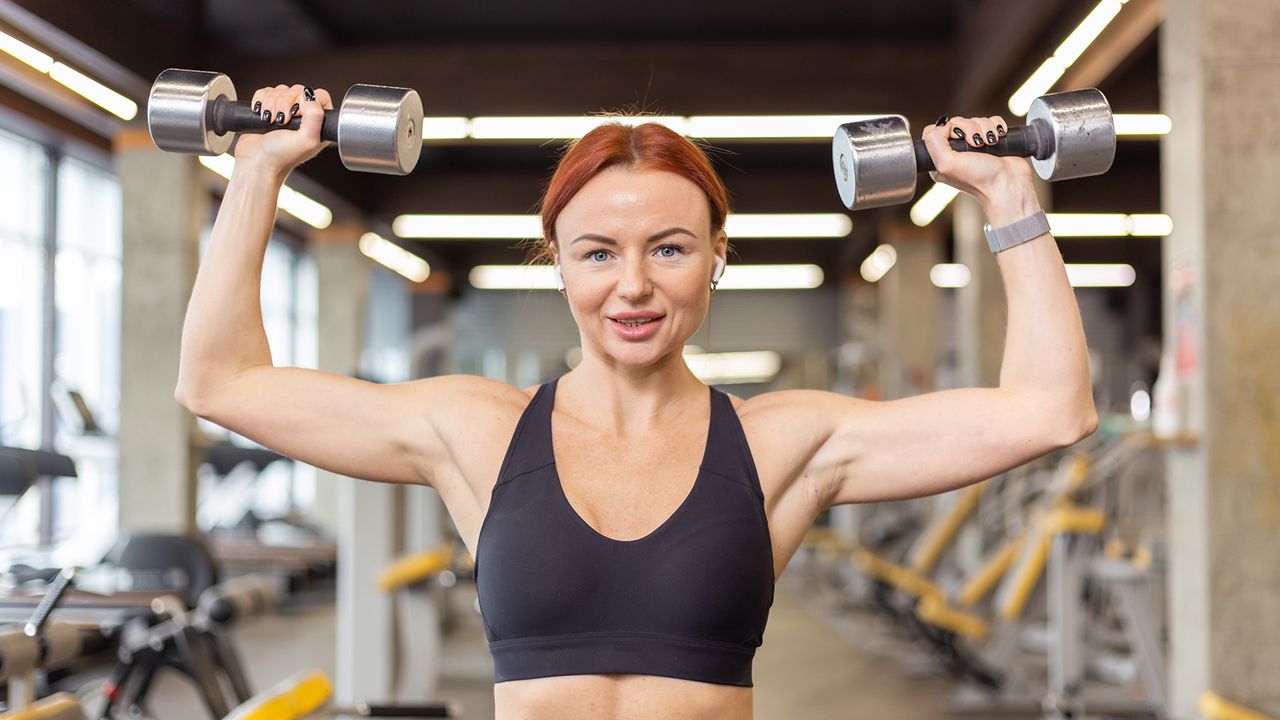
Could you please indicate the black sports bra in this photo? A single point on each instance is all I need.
(689, 600)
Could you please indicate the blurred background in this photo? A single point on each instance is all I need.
(1055, 590)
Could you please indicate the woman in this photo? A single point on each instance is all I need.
(634, 520)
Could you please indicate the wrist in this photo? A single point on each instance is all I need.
(1009, 205)
(258, 172)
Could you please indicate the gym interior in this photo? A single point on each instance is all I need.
(158, 565)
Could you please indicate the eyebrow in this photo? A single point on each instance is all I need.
(652, 238)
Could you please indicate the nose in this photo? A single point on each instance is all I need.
(633, 280)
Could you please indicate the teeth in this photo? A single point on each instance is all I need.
(634, 323)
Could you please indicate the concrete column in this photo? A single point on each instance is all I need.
(1220, 168)
(908, 307)
(364, 510)
(980, 313)
(164, 208)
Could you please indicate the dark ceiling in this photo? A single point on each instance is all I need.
(513, 57)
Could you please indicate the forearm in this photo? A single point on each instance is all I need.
(223, 333)
(1045, 354)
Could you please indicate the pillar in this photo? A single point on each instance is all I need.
(908, 307)
(361, 511)
(165, 206)
(980, 316)
(1220, 167)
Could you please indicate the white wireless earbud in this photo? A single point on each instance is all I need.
(559, 278)
(715, 274)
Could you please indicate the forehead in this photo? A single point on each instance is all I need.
(620, 198)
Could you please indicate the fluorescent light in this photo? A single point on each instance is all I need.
(512, 277)
(445, 128)
(1109, 225)
(788, 225)
(222, 164)
(770, 277)
(1042, 80)
(949, 275)
(1087, 31)
(1143, 124)
(767, 126)
(291, 201)
(556, 128)
(1102, 275)
(1038, 84)
(733, 367)
(933, 202)
(474, 227)
(304, 208)
(880, 261)
(1150, 225)
(94, 91)
(25, 53)
(1088, 224)
(394, 257)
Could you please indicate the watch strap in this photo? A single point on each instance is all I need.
(1016, 233)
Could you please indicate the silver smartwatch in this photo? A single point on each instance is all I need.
(1013, 234)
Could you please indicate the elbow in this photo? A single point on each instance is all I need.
(1083, 423)
(190, 396)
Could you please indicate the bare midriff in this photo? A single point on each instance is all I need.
(613, 697)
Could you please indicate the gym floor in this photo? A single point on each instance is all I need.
(805, 668)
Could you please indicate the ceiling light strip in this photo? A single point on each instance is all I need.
(309, 211)
(95, 92)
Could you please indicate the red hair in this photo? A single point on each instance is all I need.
(649, 146)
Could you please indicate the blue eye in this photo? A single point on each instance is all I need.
(595, 253)
(676, 248)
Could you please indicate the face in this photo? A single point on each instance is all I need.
(637, 254)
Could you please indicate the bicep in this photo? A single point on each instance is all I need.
(929, 444)
(341, 424)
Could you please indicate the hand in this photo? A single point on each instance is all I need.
(281, 151)
(986, 177)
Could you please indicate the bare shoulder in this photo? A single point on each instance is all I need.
(474, 418)
(786, 430)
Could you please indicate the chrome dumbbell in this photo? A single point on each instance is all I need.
(1067, 135)
(377, 128)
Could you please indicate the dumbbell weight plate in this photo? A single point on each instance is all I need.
(176, 113)
(380, 129)
(874, 162)
(1084, 132)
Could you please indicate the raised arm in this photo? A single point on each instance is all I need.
(390, 433)
(863, 451)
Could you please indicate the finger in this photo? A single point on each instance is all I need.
(312, 113)
(278, 106)
(987, 130)
(294, 97)
(256, 101)
(1002, 127)
(322, 97)
(966, 129)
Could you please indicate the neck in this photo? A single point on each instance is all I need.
(630, 399)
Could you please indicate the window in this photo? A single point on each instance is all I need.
(23, 192)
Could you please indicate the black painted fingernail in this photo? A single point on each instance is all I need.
(308, 94)
(942, 120)
(294, 110)
(977, 139)
(991, 138)
(266, 116)
(279, 118)
(1000, 129)
(959, 133)
(257, 107)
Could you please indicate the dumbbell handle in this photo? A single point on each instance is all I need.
(1034, 140)
(238, 116)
